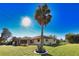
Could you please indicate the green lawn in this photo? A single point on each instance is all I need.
(64, 50)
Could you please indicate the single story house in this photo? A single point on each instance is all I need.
(34, 40)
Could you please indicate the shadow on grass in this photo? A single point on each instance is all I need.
(46, 55)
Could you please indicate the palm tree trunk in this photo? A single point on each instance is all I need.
(40, 47)
(42, 40)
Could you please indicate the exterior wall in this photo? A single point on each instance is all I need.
(31, 42)
(49, 41)
(36, 41)
(52, 41)
(46, 42)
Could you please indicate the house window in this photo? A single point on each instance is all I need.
(38, 40)
(46, 40)
(31, 41)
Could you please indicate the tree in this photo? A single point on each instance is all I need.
(43, 17)
(69, 37)
(50, 36)
(72, 38)
(5, 34)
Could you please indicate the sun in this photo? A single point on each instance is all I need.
(26, 21)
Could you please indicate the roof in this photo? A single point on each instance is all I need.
(38, 37)
(34, 38)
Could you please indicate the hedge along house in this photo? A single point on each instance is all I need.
(34, 40)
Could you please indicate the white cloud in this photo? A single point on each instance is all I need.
(26, 21)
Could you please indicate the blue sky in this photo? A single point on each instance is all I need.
(65, 19)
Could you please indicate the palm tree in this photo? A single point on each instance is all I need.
(43, 17)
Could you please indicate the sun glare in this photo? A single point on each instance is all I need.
(26, 21)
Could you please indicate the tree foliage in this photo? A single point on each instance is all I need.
(72, 38)
(42, 15)
(5, 33)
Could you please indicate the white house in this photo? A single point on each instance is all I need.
(34, 40)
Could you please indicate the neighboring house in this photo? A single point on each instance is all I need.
(34, 40)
